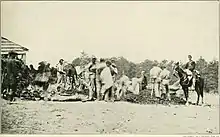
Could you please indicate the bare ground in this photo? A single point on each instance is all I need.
(38, 117)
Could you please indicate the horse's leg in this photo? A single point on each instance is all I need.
(185, 89)
(197, 91)
(201, 86)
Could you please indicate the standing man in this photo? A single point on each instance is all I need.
(143, 80)
(114, 72)
(107, 81)
(165, 79)
(92, 67)
(60, 72)
(100, 68)
(13, 74)
(155, 80)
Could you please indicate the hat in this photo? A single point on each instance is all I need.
(190, 56)
(102, 59)
(93, 57)
(108, 62)
(155, 63)
(61, 60)
(177, 63)
(113, 64)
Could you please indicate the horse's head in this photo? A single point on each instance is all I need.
(176, 68)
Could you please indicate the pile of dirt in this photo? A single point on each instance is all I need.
(144, 97)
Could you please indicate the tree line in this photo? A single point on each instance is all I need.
(208, 70)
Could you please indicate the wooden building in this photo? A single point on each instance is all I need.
(7, 46)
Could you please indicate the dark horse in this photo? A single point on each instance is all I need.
(71, 74)
(186, 83)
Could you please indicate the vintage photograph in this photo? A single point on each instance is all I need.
(107, 68)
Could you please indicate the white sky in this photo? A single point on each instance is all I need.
(135, 30)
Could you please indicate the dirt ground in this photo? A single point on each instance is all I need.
(39, 117)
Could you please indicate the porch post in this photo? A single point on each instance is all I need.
(24, 58)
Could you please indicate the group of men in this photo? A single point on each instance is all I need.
(160, 78)
(98, 76)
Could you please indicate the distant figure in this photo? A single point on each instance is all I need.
(155, 80)
(60, 72)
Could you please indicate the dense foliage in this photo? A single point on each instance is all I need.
(208, 70)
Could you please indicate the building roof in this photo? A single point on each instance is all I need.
(7, 46)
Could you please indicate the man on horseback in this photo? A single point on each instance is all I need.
(190, 69)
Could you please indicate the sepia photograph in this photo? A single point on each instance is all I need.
(110, 67)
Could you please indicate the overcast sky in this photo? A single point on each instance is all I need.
(135, 30)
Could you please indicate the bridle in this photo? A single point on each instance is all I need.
(177, 71)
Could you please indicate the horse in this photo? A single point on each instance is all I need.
(41, 80)
(71, 74)
(185, 82)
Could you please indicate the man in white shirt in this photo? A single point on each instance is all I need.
(122, 86)
(165, 79)
(155, 80)
(100, 67)
(107, 81)
(60, 72)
